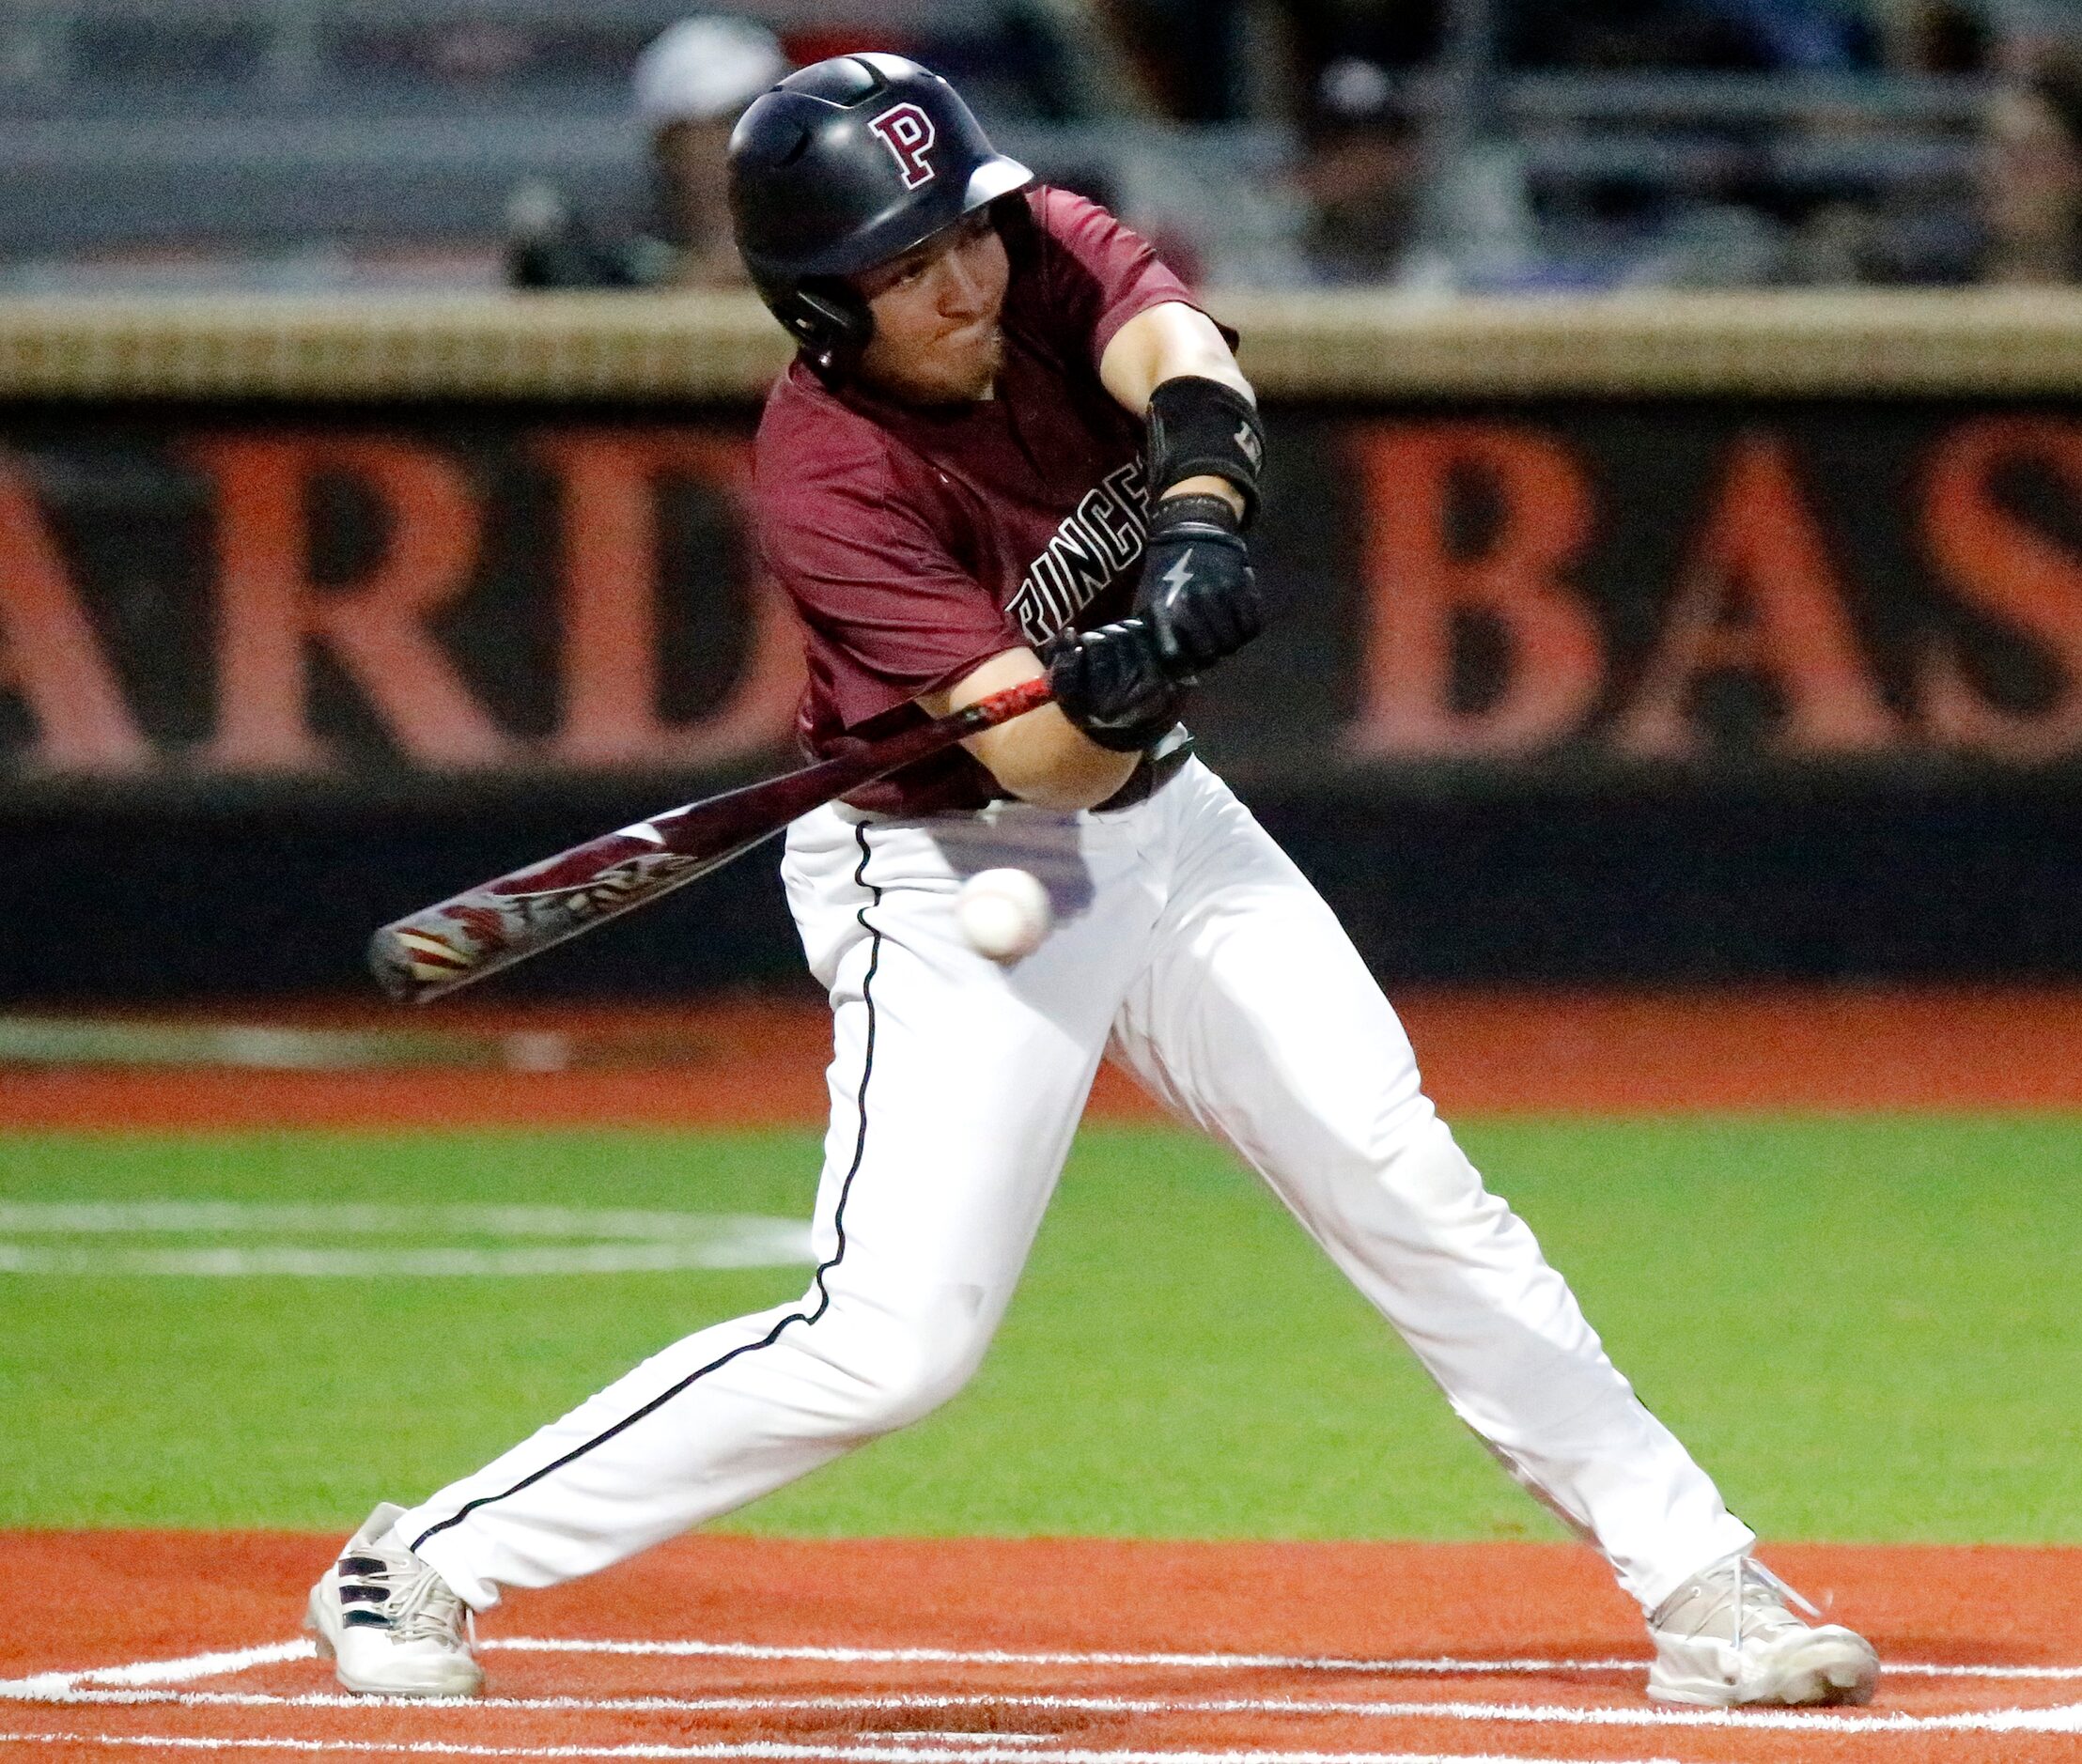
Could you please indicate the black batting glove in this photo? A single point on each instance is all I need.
(1112, 684)
(1197, 595)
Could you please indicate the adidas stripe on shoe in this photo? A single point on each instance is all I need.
(389, 1623)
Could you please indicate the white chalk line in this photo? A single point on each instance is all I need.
(41, 1686)
(606, 1240)
(221, 1664)
(2065, 1718)
(1442, 1665)
(366, 1219)
(870, 1753)
(126, 1684)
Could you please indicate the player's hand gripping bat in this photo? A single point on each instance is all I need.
(513, 917)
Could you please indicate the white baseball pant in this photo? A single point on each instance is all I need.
(1189, 947)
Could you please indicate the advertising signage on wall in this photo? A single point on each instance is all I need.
(528, 596)
(217, 600)
(1694, 587)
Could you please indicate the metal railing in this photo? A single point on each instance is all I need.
(292, 141)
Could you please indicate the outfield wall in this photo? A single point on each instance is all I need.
(1686, 637)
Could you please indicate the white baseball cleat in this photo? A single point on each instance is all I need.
(389, 1622)
(1726, 1637)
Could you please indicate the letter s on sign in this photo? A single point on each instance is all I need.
(908, 132)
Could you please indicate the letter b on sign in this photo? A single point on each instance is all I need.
(908, 132)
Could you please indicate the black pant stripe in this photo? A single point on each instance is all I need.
(803, 1317)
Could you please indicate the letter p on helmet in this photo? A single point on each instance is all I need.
(909, 133)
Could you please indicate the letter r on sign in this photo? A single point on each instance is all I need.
(908, 132)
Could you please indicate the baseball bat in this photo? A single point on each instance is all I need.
(515, 916)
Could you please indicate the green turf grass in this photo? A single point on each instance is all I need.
(1865, 1327)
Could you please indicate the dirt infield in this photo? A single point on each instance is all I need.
(744, 1063)
(979, 1651)
(982, 1652)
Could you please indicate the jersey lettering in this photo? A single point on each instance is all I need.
(908, 132)
(1094, 545)
(1046, 602)
(1113, 513)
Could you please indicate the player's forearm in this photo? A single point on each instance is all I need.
(1174, 367)
(1047, 760)
(1169, 342)
(1042, 757)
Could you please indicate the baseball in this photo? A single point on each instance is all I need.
(1004, 913)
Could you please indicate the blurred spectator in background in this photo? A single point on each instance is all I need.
(1360, 175)
(1189, 54)
(1236, 60)
(1923, 231)
(1362, 171)
(687, 89)
(2032, 192)
(1935, 36)
(2017, 220)
(1805, 36)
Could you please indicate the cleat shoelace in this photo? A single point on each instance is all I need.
(1757, 1585)
(1755, 1596)
(1735, 1600)
(406, 1597)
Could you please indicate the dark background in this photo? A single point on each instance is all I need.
(1570, 863)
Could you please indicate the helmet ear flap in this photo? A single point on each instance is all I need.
(831, 322)
(1015, 226)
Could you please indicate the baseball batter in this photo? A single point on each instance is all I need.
(1011, 443)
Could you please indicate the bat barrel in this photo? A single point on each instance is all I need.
(505, 921)
(483, 929)
(420, 957)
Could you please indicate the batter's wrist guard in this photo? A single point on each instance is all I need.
(1201, 428)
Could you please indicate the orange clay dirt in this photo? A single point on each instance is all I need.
(749, 1062)
(1059, 1651)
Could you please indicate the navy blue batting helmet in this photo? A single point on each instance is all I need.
(846, 165)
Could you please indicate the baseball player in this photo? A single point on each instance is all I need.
(1011, 443)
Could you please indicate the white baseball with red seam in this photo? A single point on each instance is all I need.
(1003, 914)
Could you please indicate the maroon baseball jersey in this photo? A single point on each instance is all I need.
(916, 543)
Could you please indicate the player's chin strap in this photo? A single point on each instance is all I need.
(1204, 428)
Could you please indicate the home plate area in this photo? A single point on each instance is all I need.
(979, 1652)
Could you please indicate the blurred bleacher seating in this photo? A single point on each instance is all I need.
(1486, 144)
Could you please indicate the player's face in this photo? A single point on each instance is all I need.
(936, 316)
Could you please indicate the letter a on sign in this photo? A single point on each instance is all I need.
(908, 132)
